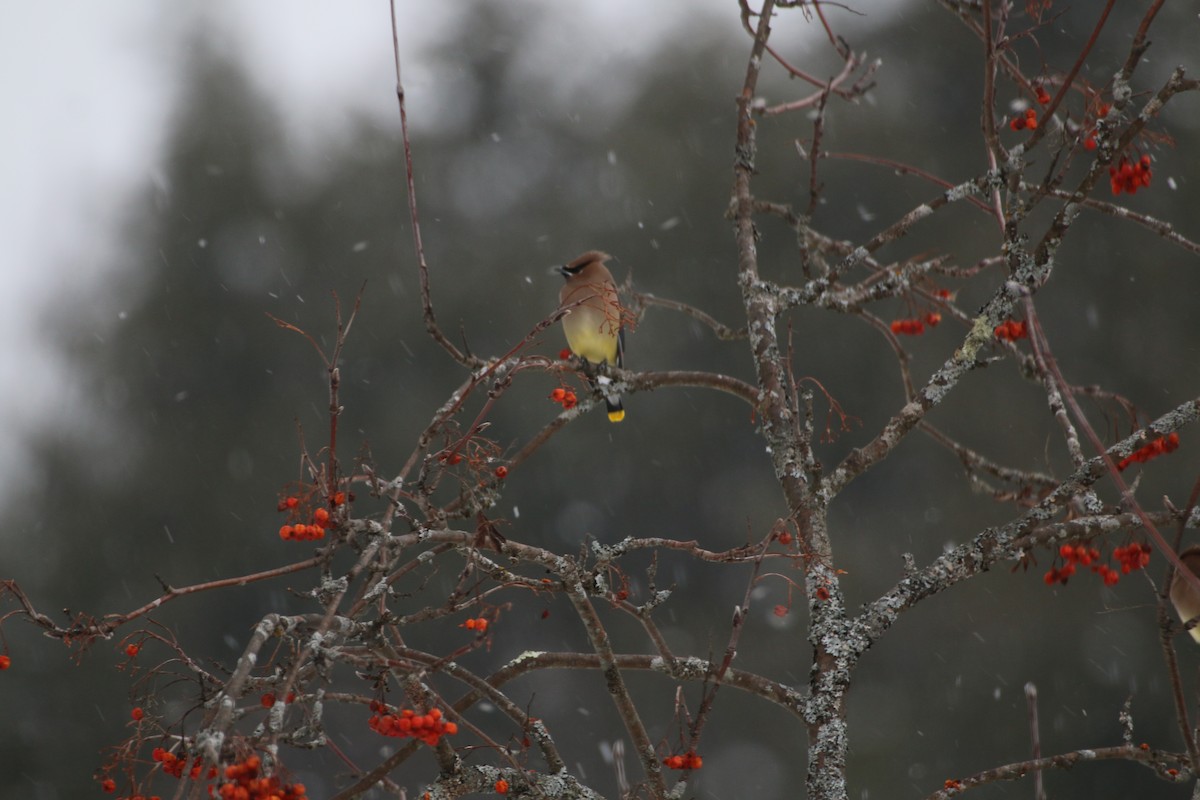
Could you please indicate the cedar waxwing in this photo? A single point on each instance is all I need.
(1184, 596)
(592, 321)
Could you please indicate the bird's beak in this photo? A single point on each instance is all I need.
(558, 269)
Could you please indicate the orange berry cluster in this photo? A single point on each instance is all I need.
(1159, 447)
(429, 728)
(908, 327)
(1131, 557)
(244, 783)
(5, 662)
(174, 765)
(1126, 177)
(687, 761)
(132, 650)
(1012, 330)
(502, 786)
(306, 533)
(1074, 555)
(1028, 121)
(951, 784)
(318, 522)
(916, 325)
(479, 624)
(1043, 97)
(564, 397)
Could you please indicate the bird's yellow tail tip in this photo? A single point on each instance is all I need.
(616, 415)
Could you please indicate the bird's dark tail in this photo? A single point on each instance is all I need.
(616, 412)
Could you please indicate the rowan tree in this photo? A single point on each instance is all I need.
(894, 381)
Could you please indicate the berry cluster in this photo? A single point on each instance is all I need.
(307, 532)
(429, 728)
(916, 325)
(478, 624)
(1028, 121)
(288, 503)
(564, 397)
(1160, 446)
(175, 766)
(1012, 330)
(688, 761)
(1131, 557)
(244, 783)
(1127, 177)
(318, 522)
(502, 786)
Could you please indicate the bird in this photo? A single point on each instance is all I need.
(1184, 596)
(592, 319)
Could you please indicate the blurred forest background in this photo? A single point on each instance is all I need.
(165, 453)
